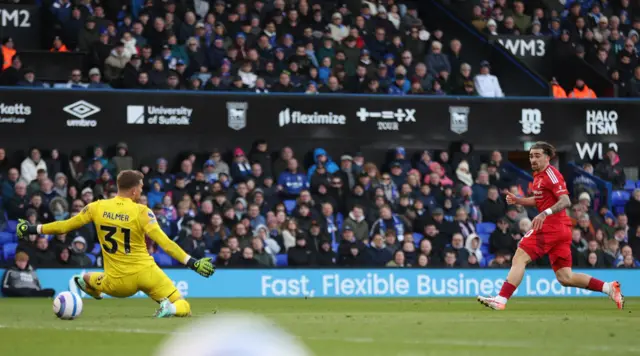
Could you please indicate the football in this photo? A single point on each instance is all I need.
(67, 306)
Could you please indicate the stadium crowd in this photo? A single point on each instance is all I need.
(261, 208)
(603, 33)
(260, 46)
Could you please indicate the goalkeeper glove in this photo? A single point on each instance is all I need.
(203, 266)
(25, 229)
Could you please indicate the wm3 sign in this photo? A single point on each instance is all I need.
(531, 50)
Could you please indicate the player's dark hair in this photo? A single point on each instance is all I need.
(129, 179)
(546, 147)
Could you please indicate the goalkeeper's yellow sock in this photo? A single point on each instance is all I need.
(182, 308)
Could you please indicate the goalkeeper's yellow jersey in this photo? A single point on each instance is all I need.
(121, 225)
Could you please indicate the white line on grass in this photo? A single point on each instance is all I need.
(357, 340)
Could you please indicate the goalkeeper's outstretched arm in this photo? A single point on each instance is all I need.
(203, 266)
(58, 227)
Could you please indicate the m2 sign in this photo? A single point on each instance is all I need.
(532, 50)
(22, 23)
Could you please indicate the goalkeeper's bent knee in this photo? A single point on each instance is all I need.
(182, 308)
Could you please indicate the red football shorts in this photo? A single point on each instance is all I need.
(554, 241)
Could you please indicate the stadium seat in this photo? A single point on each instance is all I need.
(212, 256)
(9, 251)
(620, 197)
(6, 237)
(282, 260)
(484, 237)
(638, 184)
(619, 210)
(485, 228)
(11, 226)
(92, 258)
(334, 246)
(339, 220)
(417, 237)
(629, 185)
(289, 205)
(162, 259)
(96, 249)
(484, 248)
(487, 259)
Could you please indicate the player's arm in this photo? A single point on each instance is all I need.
(203, 266)
(55, 228)
(563, 203)
(513, 199)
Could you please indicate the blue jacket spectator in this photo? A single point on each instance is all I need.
(320, 155)
(401, 158)
(61, 9)
(400, 86)
(155, 194)
(292, 181)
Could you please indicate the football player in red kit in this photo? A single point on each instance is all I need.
(550, 234)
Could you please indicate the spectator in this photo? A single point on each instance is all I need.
(398, 260)
(582, 91)
(78, 253)
(494, 207)
(246, 259)
(301, 255)
(356, 220)
(292, 181)
(487, 84)
(632, 210)
(11, 75)
(29, 79)
(556, 90)
(224, 258)
(8, 52)
(240, 168)
(43, 256)
(21, 280)
(437, 61)
(75, 80)
(260, 254)
(30, 166)
(195, 244)
(326, 256)
(351, 252)
(379, 256)
(95, 80)
(611, 170)
(17, 205)
(500, 239)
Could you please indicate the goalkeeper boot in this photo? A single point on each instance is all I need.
(491, 302)
(166, 309)
(79, 281)
(615, 294)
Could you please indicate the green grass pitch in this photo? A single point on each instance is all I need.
(334, 327)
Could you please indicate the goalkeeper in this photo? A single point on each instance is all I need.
(121, 224)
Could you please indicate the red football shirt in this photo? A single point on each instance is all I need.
(548, 186)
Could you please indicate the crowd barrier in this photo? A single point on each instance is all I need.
(359, 283)
(161, 122)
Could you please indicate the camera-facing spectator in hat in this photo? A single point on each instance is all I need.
(58, 45)
(29, 79)
(95, 80)
(351, 251)
(240, 168)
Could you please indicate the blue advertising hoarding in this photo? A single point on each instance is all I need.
(360, 283)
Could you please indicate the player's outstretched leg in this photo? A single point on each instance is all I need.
(567, 278)
(179, 307)
(84, 283)
(514, 278)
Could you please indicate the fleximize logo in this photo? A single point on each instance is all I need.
(287, 117)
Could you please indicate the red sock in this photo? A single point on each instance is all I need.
(595, 285)
(507, 290)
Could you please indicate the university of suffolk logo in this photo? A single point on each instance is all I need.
(237, 115)
(459, 119)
